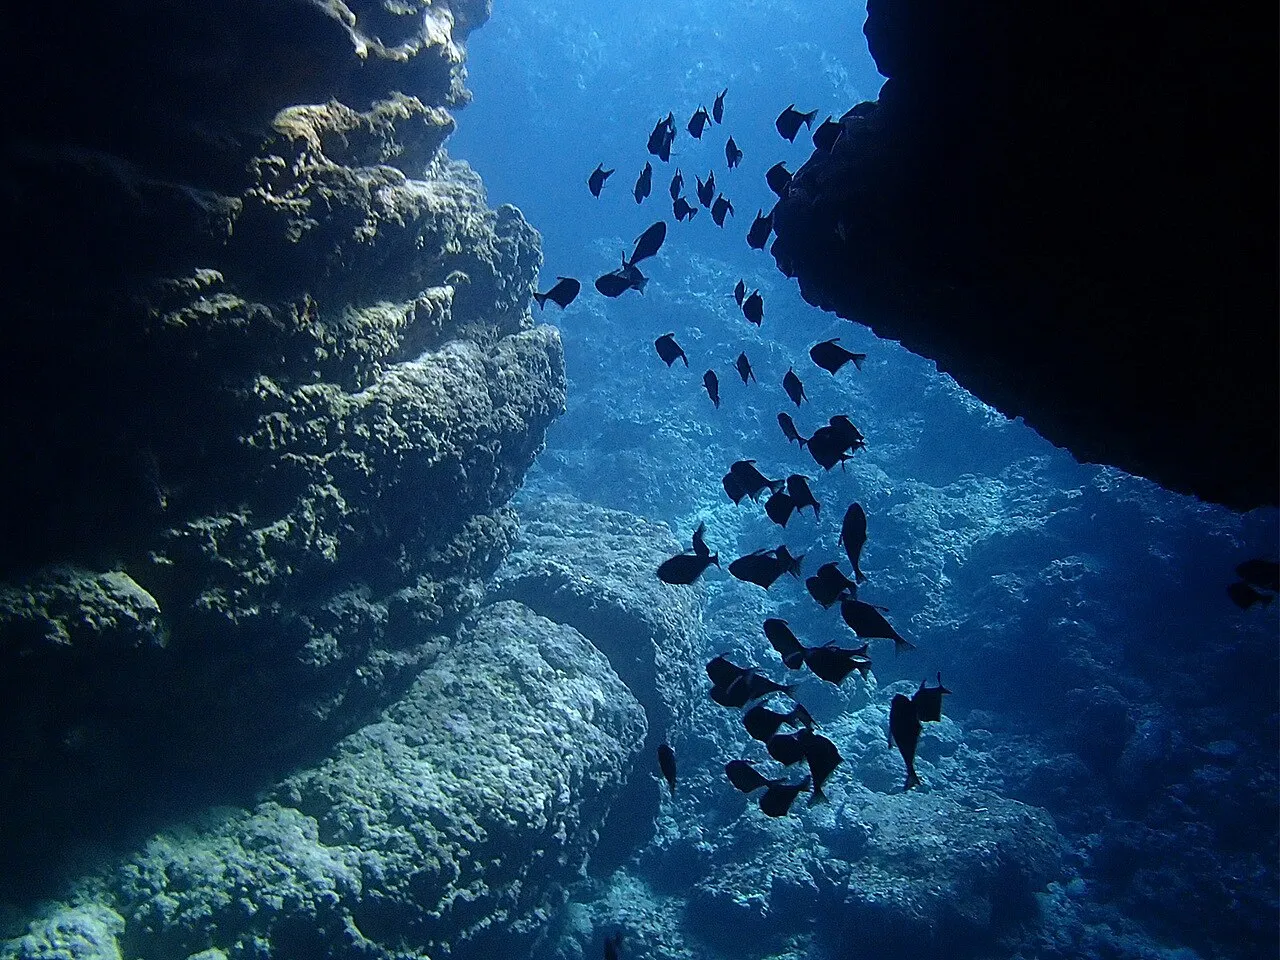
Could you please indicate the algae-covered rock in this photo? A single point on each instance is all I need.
(448, 827)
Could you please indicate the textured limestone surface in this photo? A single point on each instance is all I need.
(449, 827)
(272, 380)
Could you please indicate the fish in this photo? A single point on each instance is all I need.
(1263, 574)
(777, 800)
(1245, 596)
(845, 429)
(830, 356)
(779, 508)
(824, 138)
(648, 243)
(698, 122)
(739, 292)
(823, 757)
(561, 294)
(853, 535)
(928, 700)
(830, 446)
(832, 664)
(761, 227)
(595, 182)
(744, 368)
(904, 731)
(778, 177)
(789, 430)
(867, 622)
(753, 308)
(669, 350)
(733, 487)
(613, 947)
(745, 777)
(617, 282)
(723, 671)
(644, 183)
(685, 568)
(787, 748)
(661, 137)
(801, 495)
(762, 723)
(720, 209)
(717, 108)
(762, 568)
(683, 209)
(712, 384)
(830, 584)
(706, 191)
(732, 153)
(752, 480)
(737, 686)
(778, 632)
(789, 120)
(790, 564)
(667, 764)
(677, 184)
(794, 388)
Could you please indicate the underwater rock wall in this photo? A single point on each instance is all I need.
(269, 382)
(1073, 216)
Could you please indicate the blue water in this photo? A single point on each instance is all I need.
(1099, 672)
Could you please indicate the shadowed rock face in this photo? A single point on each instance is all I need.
(1074, 216)
(271, 379)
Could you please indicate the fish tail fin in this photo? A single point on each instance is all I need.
(913, 779)
(818, 797)
(795, 566)
(715, 558)
(809, 117)
(542, 300)
(857, 359)
(685, 359)
(804, 441)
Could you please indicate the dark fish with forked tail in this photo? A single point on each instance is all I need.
(685, 568)
(717, 108)
(677, 184)
(761, 227)
(669, 350)
(720, 209)
(753, 308)
(706, 191)
(830, 356)
(732, 153)
(739, 292)
(801, 495)
(789, 429)
(778, 177)
(595, 182)
(779, 508)
(744, 368)
(788, 122)
(712, 384)
(762, 723)
(644, 183)
(778, 632)
(683, 210)
(869, 623)
(752, 480)
(794, 388)
(777, 800)
(832, 664)
(561, 294)
(649, 242)
(698, 122)
(745, 777)
(830, 584)
(853, 535)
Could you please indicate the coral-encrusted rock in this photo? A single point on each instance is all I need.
(270, 364)
(448, 826)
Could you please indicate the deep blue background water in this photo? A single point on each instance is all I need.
(1047, 591)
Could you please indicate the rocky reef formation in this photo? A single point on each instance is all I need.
(269, 382)
(453, 823)
(1074, 216)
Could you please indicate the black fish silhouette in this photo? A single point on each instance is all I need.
(778, 177)
(832, 664)
(928, 700)
(745, 777)
(698, 122)
(712, 384)
(824, 138)
(830, 445)
(649, 242)
(721, 207)
(617, 282)
(677, 184)
(762, 568)
(733, 487)
(794, 388)
(762, 723)
(753, 308)
(779, 508)
(1245, 596)
(706, 191)
(788, 122)
(853, 535)
(785, 642)
(685, 568)
(662, 136)
(717, 108)
(904, 731)
(847, 432)
(562, 294)
(789, 429)
(700, 541)
(823, 757)
(761, 227)
(644, 183)
(869, 623)
(1263, 574)
(777, 800)
(744, 369)
(667, 764)
(732, 153)
(739, 291)
(830, 584)
(830, 356)
(787, 748)
(752, 480)
(669, 350)
(683, 209)
(595, 182)
(801, 495)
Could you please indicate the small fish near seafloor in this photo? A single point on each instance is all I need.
(906, 714)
